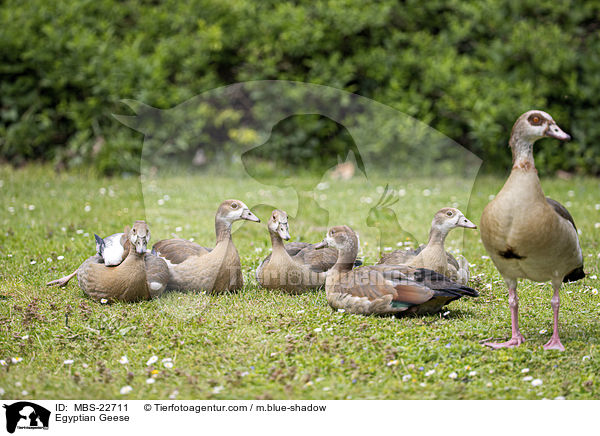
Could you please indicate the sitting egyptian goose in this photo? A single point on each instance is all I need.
(383, 289)
(125, 282)
(526, 234)
(433, 256)
(157, 272)
(294, 267)
(111, 250)
(193, 267)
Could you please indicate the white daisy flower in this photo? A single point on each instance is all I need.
(217, 389)
(125, 390)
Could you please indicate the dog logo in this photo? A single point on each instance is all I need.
(26, 415)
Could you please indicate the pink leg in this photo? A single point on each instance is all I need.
(554, 342)
(63, 280)
(517, 338)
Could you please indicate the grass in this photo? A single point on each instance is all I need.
(266, 344)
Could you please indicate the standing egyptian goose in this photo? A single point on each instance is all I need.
(433, 256)
(193, 267)
(125, 282)
(383, 289)
(526, 234)
(297, 269)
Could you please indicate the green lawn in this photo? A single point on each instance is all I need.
(265, 344)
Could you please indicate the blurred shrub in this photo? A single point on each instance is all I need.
(467, 68)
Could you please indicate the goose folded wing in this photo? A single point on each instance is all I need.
(317, 260)
(561, 210)
(399, 257)
(293, 248)
(178, 250)
(440, 282)
(374, 283)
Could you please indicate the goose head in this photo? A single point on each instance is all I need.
(342, 238)
(450, 218)
(536, 124)
(278, 223)
(235, 210)
(139, 236)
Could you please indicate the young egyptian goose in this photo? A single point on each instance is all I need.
(296, 269)
(157, 272)
(193, 267)
(433, 256)
(383, 289)
(125, 282)
(526, 234)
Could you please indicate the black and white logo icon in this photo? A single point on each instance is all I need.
(26, 415)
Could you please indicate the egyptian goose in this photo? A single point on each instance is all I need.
(125, 282)
(526, 234)
(383, 289)
(193, 267)
(111, 250)
(294, 267)
(157, 272)
(433, 256)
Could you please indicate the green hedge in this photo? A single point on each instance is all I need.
(467, 68)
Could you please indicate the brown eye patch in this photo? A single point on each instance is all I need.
(535, 119)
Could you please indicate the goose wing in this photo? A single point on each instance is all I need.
(178, 250)
(374, 283)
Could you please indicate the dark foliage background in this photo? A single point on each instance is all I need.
(467, 68)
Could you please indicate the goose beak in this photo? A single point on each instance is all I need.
(247, 215)
(141, 245)
(284, 233)
(553, 131)
(463, 222)
(322, 244)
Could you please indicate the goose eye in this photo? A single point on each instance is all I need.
(449, 213)
(234, 205)
(535, 120)
(133, 231)
(332, 232)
